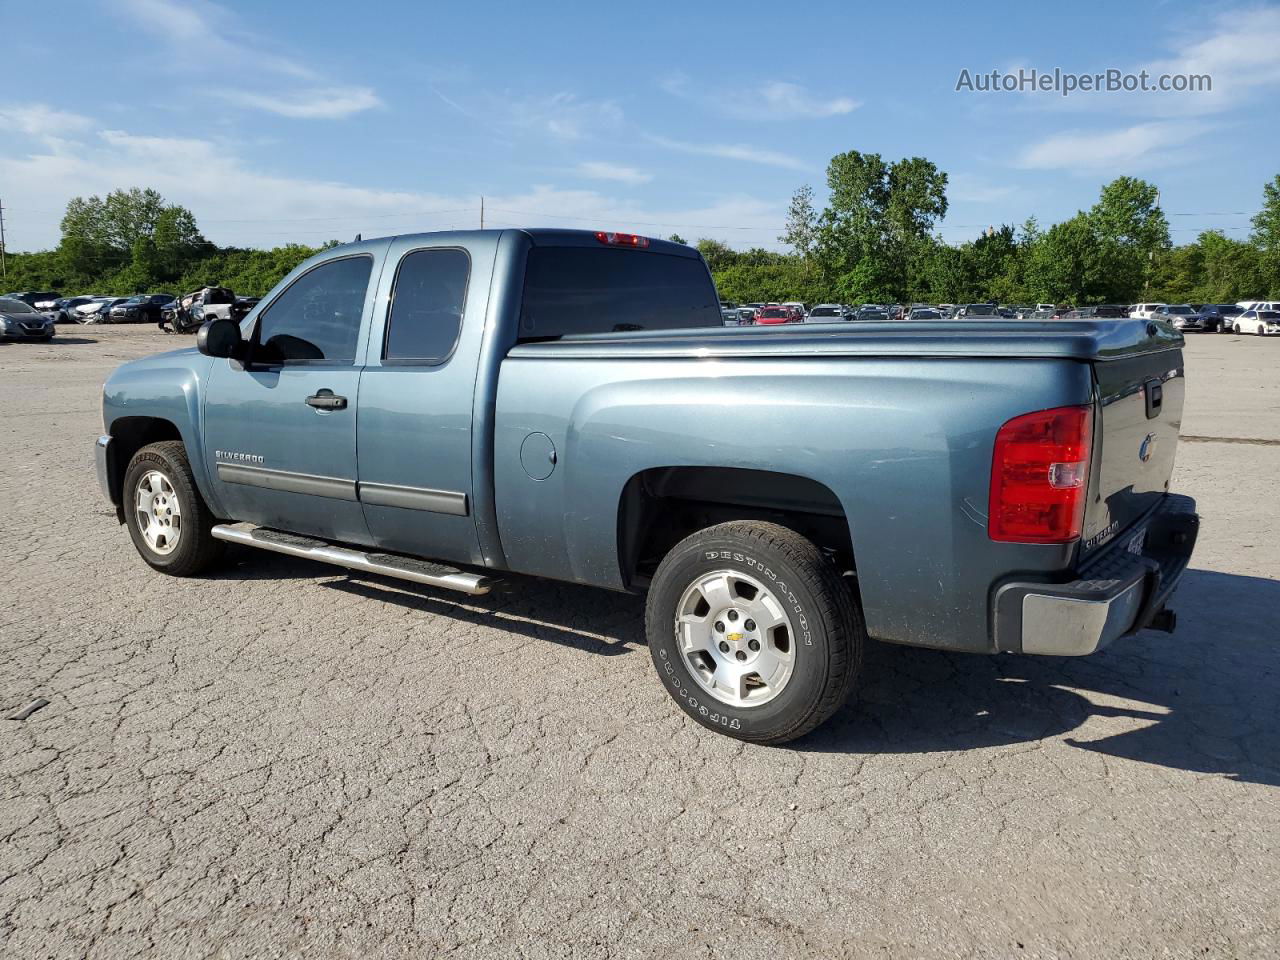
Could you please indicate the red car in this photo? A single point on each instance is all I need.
(768, 316)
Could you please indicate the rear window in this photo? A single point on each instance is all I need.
(575, 290)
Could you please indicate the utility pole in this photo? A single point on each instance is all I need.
(4, 270)
(482, 211)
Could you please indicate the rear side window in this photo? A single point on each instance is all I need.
(318, 317)
(427, 302)
(574, 290)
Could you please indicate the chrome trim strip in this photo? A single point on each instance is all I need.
(414, 498)
(471, 583)
(102, 466)
(334, 488)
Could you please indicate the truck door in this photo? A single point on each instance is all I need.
(416, 395)
(280, 430)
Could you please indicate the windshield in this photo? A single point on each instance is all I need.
(825, 312)
(1181, 310)
(15, 306)
(775, 312)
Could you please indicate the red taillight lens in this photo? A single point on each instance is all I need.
(1040, 475)
(621, 239)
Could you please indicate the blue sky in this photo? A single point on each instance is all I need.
(303, 121)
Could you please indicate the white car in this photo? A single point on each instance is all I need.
(1258, 322)
(1145, 311)
(827, 313)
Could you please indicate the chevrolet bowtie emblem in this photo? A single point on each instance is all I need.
(733, 637)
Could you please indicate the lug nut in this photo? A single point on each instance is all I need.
(724, 647)
(754, 645)
(750, 625)
(733, 614)
(740, 655)
(719, 627)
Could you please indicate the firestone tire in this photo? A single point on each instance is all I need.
(767, 568)
(160, 494)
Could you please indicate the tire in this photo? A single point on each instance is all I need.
(177, 538)
(1235, 328)
(822, 631)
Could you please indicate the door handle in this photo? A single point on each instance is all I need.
(326, 400)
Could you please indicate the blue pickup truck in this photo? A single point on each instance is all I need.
(446, 407)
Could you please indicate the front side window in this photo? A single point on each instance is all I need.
(318, 317)
(427, 302)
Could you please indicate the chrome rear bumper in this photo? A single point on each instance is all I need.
(1117, 594)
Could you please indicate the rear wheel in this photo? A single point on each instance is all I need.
(167, 518)
(753, 632)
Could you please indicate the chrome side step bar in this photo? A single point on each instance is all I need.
(384, 564)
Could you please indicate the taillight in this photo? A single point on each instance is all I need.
(1040, 475)
(621, 239)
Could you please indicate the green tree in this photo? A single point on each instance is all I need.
(1130, 230)
(801, 232)
(1266, 236)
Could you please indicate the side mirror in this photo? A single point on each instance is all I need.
(220, 338)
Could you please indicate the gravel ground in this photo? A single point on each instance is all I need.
(284, 759)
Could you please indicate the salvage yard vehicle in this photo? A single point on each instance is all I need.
(21, 321)
(142, 308)
(443, 408)
(1260, 323)
(1180, 315)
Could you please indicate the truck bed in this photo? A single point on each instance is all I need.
(1087, 340)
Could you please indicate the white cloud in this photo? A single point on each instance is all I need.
(792, 100)
(1239, 51)
(733, 151)
(274, 82)
(564, 115)
(1145, 145)
(235, 203)
(775, 100)
(308, 104)
(41, 120)
(595, 170)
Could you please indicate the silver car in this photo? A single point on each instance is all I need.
(21, 321)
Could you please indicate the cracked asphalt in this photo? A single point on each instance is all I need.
(286, 760)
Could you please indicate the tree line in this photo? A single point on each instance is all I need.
(133, 241)
(874, 241)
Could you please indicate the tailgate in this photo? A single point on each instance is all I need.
(1135, 437)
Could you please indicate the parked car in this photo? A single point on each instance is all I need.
(1258, 322)
(1217, 317)
(98, 310)
(1145, 311)
(869, 314)
(970, 311)
(42, 300)
(746, 316)
(63, 310)
(142, 308)
(532, 426)
(828, 313)
(924, 313)
(1102, 311)
(1181, 315)
(774, 315)
(19, 320)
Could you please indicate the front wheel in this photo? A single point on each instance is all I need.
(753, 632)
(167, 518)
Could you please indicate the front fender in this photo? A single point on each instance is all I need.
(168, 388)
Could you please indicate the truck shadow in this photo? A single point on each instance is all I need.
(1204, 699)
(582, 618)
